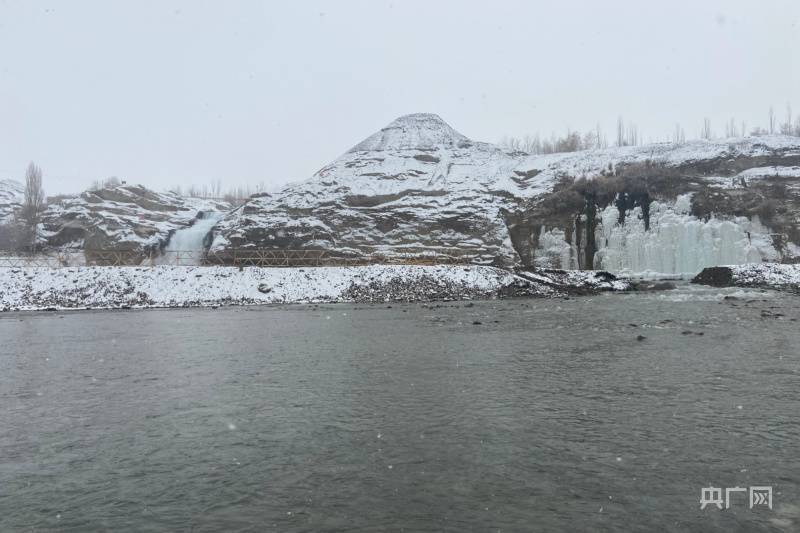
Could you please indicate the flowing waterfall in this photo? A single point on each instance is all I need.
(191, 240)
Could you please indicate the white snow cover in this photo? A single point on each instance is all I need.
(418, 131)
(482, 167)
(750, 175)
(769, 275)
(184, 286)
(177, 286)
(11, 194)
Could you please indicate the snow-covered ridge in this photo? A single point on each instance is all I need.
(125, 217)
(11, 196)
(179, 286)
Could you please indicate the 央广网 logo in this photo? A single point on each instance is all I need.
(759, 496)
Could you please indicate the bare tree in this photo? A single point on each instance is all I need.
(512, 143)
(679, 136)
(600, 137)
(632, 135)
(730, 128)
(786, 127)
(108, 183)
(33, 203)
(771, 128)
(706, 133)
(620, 132)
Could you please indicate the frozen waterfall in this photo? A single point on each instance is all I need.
(677, 243)
(190, 242)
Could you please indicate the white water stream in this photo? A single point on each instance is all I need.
(186, 246)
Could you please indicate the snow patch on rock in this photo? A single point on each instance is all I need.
(765, 275)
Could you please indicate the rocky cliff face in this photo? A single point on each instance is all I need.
(124, 218)
(670, 209)
(420, 185)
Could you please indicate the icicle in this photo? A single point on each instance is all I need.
(677, 243)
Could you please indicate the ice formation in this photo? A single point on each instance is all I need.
(677, 243)
(191, 239)
(554, 250)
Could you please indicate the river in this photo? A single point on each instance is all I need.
(605, 413)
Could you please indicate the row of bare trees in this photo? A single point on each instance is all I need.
(108, 183)
(628, 134)
(21, 232)
(790, 125)
(572, 141)
(213, 190)
(232, 195)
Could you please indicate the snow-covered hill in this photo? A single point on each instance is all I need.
(415, 183)
(11, 193)
(419, 183)
(125, 217)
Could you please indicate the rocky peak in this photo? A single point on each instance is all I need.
(418, 131)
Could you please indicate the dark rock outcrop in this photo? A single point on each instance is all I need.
(715, 276)
(765, 275)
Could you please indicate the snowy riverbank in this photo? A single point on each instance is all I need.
(186, 286)
(766, 275)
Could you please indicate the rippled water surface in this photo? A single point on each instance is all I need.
(518, 415)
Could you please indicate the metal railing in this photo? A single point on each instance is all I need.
(242, 257)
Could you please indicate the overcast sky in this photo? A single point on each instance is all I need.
(175, 92)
